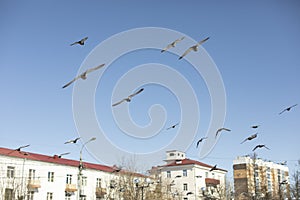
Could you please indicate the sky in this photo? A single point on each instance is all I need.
(254, 47)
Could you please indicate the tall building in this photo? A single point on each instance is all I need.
(254, 177)
(187, 179)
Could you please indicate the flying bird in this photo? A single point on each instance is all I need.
(251, 137)
(83, 75)
(193, 48)
(81, 42)
(201, 139)
(260, 146)
(72, 141)
(288, 109)
(255, 126)
(189, 193)
(213, 168)
(19, 149)
(221, 129)
(173, 44)
(128, 99)
(173, 126)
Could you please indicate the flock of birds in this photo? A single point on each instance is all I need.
(173, 44)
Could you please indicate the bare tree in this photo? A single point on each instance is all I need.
(295, 184)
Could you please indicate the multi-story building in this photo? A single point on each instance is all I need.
(185, 179)
(31, 176)
(254, 177)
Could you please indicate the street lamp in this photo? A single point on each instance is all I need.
(143, 185)
(80, 167)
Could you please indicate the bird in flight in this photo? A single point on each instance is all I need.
(83, 75)
(201, 139)
(287, 109)
(19, 149)
(173, 126)
(72, 141)
(128, 99)
(193, 48)
(221, 129)
(250, 137)
(260, 146)
(213, 168)
(189, 193)
(171, 45)
(255, 126)
(81, 42)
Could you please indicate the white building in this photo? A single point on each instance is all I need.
(32, 176)
(189, 179)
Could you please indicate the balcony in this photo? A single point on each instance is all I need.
(33, 184)
(100, 192)
(71, 188)
(212, 182)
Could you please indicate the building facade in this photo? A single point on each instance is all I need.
(188, 179)
(256, 178)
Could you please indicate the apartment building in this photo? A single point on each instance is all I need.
(189, 179)
(254, 177)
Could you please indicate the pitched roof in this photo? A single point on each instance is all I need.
(187, 161)
(53, 159)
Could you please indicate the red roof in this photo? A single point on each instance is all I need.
(212, 181)
(53, 159)
(187, 161)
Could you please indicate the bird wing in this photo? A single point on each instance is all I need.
(202, 41)
(25, 146)
(66, 85)
(186, 52)
(76, 139)
(115, 104)
(255, 148)
(74, 43)
(225, 129)
(266, 147)
(94, 68)
(166, 48)
(244, 140)
(283, 111)
(132, 95)
(67, 142)
(84, 39)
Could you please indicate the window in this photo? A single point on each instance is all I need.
(185, 198)
(50, 176)
(30, 195)
(206, 174)
(84, 181)
(67, 196)
(98, 182)
(31, 175)
(49, 195)
(172, 154)
(185, 187)
(168, 174)
(69, 179)
(10, 172)
(184, 172)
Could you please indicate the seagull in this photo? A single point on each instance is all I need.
(173, 126)
(260, 146)
(201, 139)
(189, 193)
(83, 75)
(255, 126)
(288, 109)
(81, 42)
(221, 129)
(63, 154)
(283, 163)
(19, 149)
(128, 99)
(250, 137)
(173, 44)
(213, 168)
(193, 48)
(72, 141)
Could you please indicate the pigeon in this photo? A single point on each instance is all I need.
(173, 126)
(19, 149)
(173, 44)
(250, 137)
(201, 139)
(260, 146)
(213, 168)
(255, 126)
(128, 99)
(72, 141)
(288, 109)
(283, 163)
(81, 42)
(221, 129)
(83, 75)
(193, 48)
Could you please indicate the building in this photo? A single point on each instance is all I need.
(187, 179)
(259, 178)
(31, 176)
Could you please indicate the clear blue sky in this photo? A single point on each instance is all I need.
(254, 44)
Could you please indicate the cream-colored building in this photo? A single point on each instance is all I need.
(259, 178)
(187, 179)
